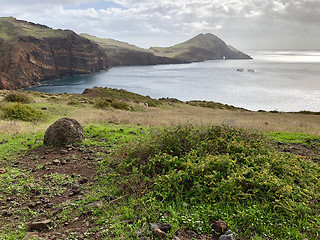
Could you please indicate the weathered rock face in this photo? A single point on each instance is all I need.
(26, 60)
(64, 131)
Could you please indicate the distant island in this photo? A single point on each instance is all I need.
(31, 53)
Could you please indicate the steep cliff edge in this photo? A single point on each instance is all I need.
(200, 48)
(124, 54)
(31, 52)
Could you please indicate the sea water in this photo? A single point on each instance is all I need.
(273, 80)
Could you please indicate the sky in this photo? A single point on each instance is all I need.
(244, 24)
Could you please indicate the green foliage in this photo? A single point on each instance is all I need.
(298, 138)
(122, 95)
(214, 105)
(120, 105)
(18, 111)
(269, 194)
(18, 97)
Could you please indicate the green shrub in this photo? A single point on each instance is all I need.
(233, 173)
(121, 105)
(18, 97)
(103, 103)
(18, 111)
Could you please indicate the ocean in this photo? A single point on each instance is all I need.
(273, 80)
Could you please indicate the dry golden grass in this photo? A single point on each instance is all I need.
(167, 115)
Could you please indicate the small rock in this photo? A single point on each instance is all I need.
(40, 226)
(75, 189)
(227, 236)
(96, 204)
(132, 133)
(29, 185)
(175, 238)
(32, 236)
(191, 233)
(3, 170)
(10, 199)
(44, 108)
(3, 141)
(57, 210)
(56, 162)
(157, 232)
(64, 151)
(63, 162)
(142, 132)
(38, 141)
(6, 213)
(32, 204)
(166, 227)
(219, 226)
(83, 180)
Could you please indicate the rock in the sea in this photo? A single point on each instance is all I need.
(219, 226)
(39, 226)
(227, 236)
(64, 131)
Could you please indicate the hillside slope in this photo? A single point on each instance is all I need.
(31, 52)
(124, 54)
(200, 48)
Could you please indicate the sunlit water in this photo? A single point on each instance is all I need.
(282, 80)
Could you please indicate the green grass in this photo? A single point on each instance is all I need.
(297, 138)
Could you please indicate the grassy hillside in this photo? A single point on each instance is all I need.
(164, 161)
(111, 44)
(11, 28)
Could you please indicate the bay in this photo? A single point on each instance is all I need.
(273, 80)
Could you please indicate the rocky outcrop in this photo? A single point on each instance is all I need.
(63, 132)
(26, 59)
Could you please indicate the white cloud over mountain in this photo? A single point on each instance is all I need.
(243, 23)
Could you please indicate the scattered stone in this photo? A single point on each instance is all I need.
(95, 204)
(219, 226)
(159, 233)
(83, 180)
(32, 236)
(132, 133)
(142, 132)
(44, 108)
(64, 151)
(32, 204)
(57, 210)
(40, 226)
(75, 189)
(63, 162)
(6, 213)
(10, 199)
(175, 238)
(56, 162)
(3, 141)
(121, 130)
(227, 236)
(191, 233)
(38, 141)
(29, 185)
(63, 132)
(3, 170)
(160, 229)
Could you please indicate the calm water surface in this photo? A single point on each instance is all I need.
(282, 80)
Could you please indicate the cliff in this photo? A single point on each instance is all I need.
(124, 54)
(200, 48)
(30, 53)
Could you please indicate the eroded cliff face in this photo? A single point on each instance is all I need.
(26, 61)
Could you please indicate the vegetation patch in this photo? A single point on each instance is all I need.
(18, 111)
(18, 97)
(214, 105)
(232, 174)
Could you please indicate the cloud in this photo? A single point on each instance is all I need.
(243, 23)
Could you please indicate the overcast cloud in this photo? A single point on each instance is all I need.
(245, 24)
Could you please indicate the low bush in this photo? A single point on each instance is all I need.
(232, 174)
(18, 97)
(121, 105)
(18, 111)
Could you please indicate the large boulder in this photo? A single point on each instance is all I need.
(63, 132)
